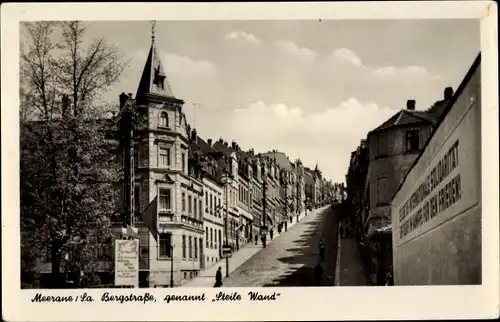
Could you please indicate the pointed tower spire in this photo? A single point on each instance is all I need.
(154, 80)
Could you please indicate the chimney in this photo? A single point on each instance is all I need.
(194, 136)
(123, 99)
(225, 143)
(209, 141)
(410, 105)
(233, 145)
(221, 140)
(448, 93)
(130, 96)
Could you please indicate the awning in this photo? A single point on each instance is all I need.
(387, 229)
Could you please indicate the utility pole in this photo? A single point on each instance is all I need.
(297, 187)
(227, 238)
(286, 198)
(264, 200)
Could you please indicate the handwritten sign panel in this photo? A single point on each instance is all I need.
(127, 262)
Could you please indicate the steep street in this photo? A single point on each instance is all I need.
(290, 259)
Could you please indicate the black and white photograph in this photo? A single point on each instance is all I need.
(240, 153)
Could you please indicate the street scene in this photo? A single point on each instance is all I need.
(160, 154)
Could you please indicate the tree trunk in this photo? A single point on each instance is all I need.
(56, 278)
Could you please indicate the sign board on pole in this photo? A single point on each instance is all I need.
(226, 251)
(127, 262)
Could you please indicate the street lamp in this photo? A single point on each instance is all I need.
(226, 181)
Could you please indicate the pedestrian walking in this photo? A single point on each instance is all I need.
(256, 239)
(218, 278)
(318, 274)
(389, 281)
(321, 247)
(271, 234)
(279, 229)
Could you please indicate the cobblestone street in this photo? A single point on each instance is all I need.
(290, 259)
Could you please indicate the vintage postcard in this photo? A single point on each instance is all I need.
(253, 161)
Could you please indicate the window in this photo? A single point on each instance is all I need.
(382, 190)
(183, 201)
(163, 119)
(195, 210)
(165, 244)
(183, 162)
(200, 209)
(211, 238)
(165, 200)
(412, 140)
(206, 238)
(206, 200)
(183, 246)
(137, 195)
(190, 239)
(195, 248)
(382, 145)
(164, 157)
(220, 209)
(190, 209)
(211, 205)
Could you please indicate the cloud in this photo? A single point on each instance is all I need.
(186, 66)
(394, 71)
(292, 48)
(329, 135)
(243, 35)
(348, 55)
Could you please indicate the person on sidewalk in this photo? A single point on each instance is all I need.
(321, 247)
(256, 239)
(271, 234)
(318, 274)
(218, 277)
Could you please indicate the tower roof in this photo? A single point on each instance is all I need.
(154, 79)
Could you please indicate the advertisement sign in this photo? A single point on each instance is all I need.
(127, 262)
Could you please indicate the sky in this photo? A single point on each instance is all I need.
(311, 89)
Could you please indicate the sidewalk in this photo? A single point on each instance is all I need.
(349, 269)
(206, 278)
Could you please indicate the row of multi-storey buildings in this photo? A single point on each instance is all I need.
(185, 197)
(379, 168)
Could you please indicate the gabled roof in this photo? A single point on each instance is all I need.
(221, 147)
(280, 158)
(404, 117)
(154, 79)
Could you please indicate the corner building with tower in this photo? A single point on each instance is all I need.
(168, 188)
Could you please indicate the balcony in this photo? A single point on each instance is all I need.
(191, 221)
(166, 216)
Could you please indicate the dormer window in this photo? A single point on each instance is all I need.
(163, 119)
(159, 77)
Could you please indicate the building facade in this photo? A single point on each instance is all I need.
(168, 191)
(436, 211)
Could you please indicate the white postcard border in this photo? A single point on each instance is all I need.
(338, 303)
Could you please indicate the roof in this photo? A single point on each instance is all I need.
(404, 117)
(449, 106)
(153, 79)
(280, 158)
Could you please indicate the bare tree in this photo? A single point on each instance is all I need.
(69, 164)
